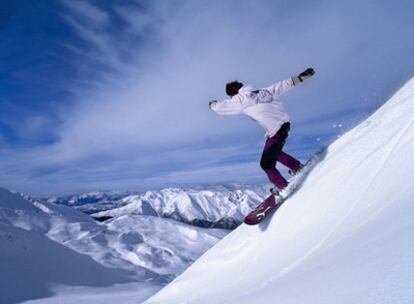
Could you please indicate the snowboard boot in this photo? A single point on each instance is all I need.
(275, 191)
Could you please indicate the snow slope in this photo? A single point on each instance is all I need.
(46, 249)
(30, 261)
(345, 237)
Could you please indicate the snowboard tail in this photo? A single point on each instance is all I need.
(261, 211)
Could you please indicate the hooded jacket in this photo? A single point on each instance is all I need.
(262, 105)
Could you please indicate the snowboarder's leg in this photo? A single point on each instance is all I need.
(276, 178)
(271, 152)
(289, 161)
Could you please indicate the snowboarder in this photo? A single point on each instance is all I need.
(265, 106)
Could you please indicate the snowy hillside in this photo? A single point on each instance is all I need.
(345, 237)
(46, 246)
(219, 207)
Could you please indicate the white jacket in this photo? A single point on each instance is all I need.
(263, 105)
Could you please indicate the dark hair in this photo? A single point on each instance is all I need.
(232, 88)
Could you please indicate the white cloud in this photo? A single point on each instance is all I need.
(88, 13)
(164, 100)
(140, 102)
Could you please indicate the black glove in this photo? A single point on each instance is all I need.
(211, 102)
(303, 76)
(306, 74)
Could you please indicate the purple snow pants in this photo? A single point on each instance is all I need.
(273, 153)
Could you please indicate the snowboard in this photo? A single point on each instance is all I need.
(272, 202)
(261, 211)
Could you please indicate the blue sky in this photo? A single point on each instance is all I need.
(113, 94)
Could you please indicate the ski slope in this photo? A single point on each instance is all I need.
(345, 237)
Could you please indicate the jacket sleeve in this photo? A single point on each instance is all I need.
(229, 106)
(280, 87)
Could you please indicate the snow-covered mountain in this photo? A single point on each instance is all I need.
(44, 245)
(345, 237)
(90, 202)
(216, 207)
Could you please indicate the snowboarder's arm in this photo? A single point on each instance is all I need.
(229, 106)
(282, 86)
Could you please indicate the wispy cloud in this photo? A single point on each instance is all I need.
(88, 13)
(147, 70)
